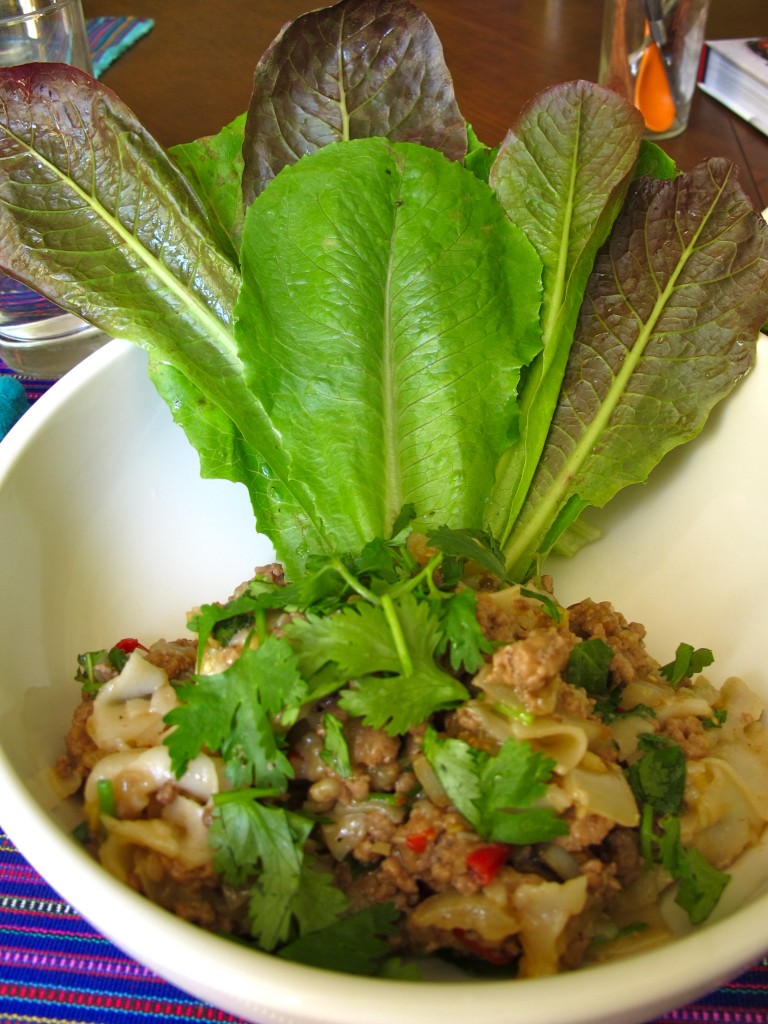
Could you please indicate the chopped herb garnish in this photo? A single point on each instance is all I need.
(700, 885)
(496, 793)
(688, 662)
(335, 751)
(657, 778)
(463, 637)
(262, 845)
(588, 665)
(716, 720)
(105, 796)
(242, 712)
(356, 944)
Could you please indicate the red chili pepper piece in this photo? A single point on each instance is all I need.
(492, 956)
(418, 841)
(485, 861)
(129, 644)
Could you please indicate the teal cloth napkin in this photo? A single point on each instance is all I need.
(13, 403)
(110, 37)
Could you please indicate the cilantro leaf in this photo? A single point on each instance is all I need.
(404, 518)
(456, 765)
(551, 607)
(399, 701)
(335, 752)
(380, 559)
(471, 545)
(235, 712)
(495, 793)
(463, 636)
(588, 665)
(657, 778)
(212, 617)
(510, 782)
(357, 639)
(356, 944)
(320, 588)
(244, 832)
(716, 720)
(687, 663)
(700, 884)
(316, 902)
(263, 844)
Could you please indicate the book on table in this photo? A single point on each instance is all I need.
(735, 72)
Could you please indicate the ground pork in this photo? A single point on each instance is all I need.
(81, 752)
(626, 639)
(586, 831)
(690, 734)
(531, 667)
(196, 894)
(621, 849)
(503, 621)
(176, 657)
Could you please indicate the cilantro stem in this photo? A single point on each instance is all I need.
(231, 796)
(646, 835)
(414, 581)
(390, 613)
(260, 621)
(354, 582)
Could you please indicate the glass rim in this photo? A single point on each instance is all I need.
(39, 12)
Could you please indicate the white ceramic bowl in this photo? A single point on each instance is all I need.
(107, 530)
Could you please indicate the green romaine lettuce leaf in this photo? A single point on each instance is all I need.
(668, 326)
(95, 216)
(214, 166)
(386, 309)
(561, 175)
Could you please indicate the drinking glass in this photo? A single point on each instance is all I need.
(37, 338)
(650, 54)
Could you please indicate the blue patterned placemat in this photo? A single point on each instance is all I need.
(54, 968)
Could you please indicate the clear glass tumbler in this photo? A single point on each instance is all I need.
(43, 30)
(650, 54)
(37, 338)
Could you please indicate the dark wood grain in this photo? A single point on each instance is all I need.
(192, 73)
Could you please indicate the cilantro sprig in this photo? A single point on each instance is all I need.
(356, 944)
(263, 844)
(243, 713)
(688, 662)
(588, 667)
(496, 793)
(657, 779)
(389, 636)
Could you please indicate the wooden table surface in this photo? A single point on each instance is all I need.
(192, 73)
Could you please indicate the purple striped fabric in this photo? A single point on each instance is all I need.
(55, 968)
(109, 37)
